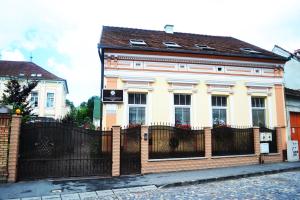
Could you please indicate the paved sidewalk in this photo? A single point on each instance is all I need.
(74, 187)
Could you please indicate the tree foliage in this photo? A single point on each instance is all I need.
(16, 94)
(81, 115)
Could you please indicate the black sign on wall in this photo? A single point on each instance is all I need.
(112, 96)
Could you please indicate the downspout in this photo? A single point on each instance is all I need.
(101, 56)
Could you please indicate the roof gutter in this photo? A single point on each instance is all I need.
(101, 56)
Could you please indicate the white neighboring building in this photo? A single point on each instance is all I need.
(48, 97)
(292, 95)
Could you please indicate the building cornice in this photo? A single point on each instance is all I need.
(187, 60)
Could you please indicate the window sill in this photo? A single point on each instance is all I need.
(176, 159)
(233, 156)
(271, 154)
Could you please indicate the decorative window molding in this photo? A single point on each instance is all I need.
(220, 86)
(181, 84)
(259, 88)
(138, 83)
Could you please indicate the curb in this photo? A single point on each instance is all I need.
(231, 177)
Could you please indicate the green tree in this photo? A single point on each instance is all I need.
(16, 94)
(83, 114)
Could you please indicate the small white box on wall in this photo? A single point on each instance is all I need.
(293, 150)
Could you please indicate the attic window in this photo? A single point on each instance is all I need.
(39, 75)
(171, 44)
(33, 75)
(21, 74)
(204, 47)
(136, 42)
(249, 50)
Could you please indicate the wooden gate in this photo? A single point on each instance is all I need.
(56, 149)
(295, 127)
(130, 151)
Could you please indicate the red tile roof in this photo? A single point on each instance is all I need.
(25, 69)
(118, 38)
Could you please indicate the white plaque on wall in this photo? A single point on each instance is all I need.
(264, 147)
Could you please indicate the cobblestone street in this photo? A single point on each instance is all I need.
(276, 186)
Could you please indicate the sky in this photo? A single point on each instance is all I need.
(62, 35)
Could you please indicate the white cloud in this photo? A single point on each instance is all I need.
(72, 28)
(12, 55)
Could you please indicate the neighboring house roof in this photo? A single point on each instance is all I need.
(29, 70)
(119, 38)
(290, 55)
(292, 93)
(96, 111)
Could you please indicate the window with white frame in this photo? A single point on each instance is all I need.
(50, 100)
(137, 108)
(34, 99)
(258, 111)
(219, 110)
(182, 104)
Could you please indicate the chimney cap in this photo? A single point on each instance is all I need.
(169, 28)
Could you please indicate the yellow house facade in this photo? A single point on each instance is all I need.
(189, 79)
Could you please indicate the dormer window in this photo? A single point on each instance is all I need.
(171, 44)
(135, 42)
(249, 50)
(204, 47)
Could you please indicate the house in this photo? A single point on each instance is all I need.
(48, 97)
(189, 79)
(292, 93)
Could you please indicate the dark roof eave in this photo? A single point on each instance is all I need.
(279, 58)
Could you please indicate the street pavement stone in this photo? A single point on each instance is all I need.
(32, 198)
(103, 193)
(88, 196)
(52, 197)
(70, 197)
(120, 191)
(136, 189)
(276, 186)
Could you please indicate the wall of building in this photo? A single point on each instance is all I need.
(161, 79)
(58, 88)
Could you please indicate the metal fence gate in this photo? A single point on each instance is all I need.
(130, 151)
(56, 149)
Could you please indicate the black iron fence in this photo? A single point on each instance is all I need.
(232, 141)
(56, 149)
(273, 142)
(173, 142)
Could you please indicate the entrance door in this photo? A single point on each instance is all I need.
(295, 127)
(130, 151)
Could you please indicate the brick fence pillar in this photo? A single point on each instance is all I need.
(279, 140)
(14, 148)
(4, 133)
(208, 142)
(116, 137)
(256, 140)
(144, 148)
